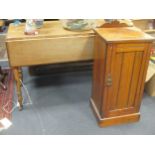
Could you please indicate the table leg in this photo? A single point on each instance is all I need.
(18, 75)
(2, 79)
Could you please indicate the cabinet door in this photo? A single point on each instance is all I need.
(126, 68)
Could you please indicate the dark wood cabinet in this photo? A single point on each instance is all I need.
(120, 66)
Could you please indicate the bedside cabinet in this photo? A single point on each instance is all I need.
(120, 64)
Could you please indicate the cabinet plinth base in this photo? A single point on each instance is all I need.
(109, 121)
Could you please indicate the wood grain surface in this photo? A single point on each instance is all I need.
(118, 87)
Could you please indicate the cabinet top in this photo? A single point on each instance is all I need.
(123, 34)
(50, 29)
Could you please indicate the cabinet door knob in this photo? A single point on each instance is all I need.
(109, 80)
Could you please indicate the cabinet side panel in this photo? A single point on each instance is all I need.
(98, 71)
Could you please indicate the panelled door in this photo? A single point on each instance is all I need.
(126, 68)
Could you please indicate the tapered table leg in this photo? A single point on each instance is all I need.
(2, 79)
(18, 75)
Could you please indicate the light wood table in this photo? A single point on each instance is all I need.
(53, 44)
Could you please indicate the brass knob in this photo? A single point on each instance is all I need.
(109, 80)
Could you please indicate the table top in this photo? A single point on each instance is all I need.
(53, 29)
(123, 34)
(50, 29)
